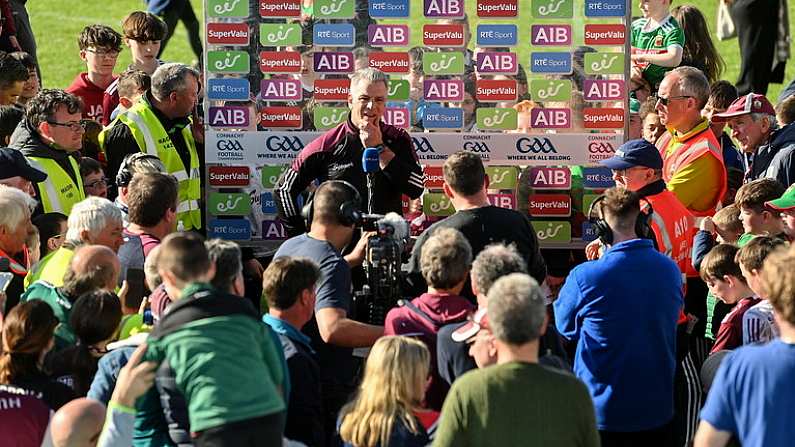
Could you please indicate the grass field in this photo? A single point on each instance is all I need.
(58, 22)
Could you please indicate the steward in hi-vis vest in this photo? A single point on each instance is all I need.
(159, 124)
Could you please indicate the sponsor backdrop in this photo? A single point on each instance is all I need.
(537, 88)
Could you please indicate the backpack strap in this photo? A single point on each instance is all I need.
(411, 307)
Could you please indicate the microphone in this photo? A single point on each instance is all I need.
(370, 165)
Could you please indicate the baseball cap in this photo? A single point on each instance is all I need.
(473, 325)
(750, 103)
(13, 164)
(635, 153)
(784, 203)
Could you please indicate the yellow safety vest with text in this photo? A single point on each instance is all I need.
(58, 192)
(153, 139)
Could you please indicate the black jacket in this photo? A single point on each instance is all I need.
(776, 159)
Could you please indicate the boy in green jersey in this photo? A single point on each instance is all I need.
(657, 41)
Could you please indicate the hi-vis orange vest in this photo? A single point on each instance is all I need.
(690, 149)
(674, 228)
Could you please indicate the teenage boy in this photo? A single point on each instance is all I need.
(657, 42)
(726, 281)
(721, 95)
(288, 285)
(13, 76)
(758, 220)
(786, 206)
(445, 262)
(758, 323)
(128, 89)
(99, 48)
(143, 32)
(234, 396)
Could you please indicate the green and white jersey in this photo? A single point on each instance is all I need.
(650, 38)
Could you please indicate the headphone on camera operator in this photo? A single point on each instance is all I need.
(603, 231)
(349, 211)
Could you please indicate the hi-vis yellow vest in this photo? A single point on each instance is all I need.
(58, 192)
(153, 140)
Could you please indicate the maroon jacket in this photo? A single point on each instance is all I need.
(337, 155)
(443, 309)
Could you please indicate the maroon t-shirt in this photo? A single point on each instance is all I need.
(443, 309)
(91, 94)
(23, 417)
(730, 333)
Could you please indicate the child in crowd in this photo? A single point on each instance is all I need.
(699, 50)
(52, 228)
(13, 76)
(657, 42)
(723, 228)
(143, 32)
(635, 121)
(650, 119)
(386, 409)
(758, 220)
(786, 206)
(726, 281)
(758, 323)
(721, 95)
(445, 266)
(32, 85)
(785, 111)
(131, 85)
(99, 48)
(10, 116)
(94, 181)
(33, 243)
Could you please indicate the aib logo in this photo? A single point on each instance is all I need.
(229, 145)
(535, 145)
(421, 144)
(284, 143)
(599, 147)
(477, 147)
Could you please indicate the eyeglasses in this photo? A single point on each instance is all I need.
(97, 183)
(624, 172)
(110, 54)
(664, 101)
(76, 126)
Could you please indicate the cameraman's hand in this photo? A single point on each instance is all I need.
(356, 257)
(593, 250)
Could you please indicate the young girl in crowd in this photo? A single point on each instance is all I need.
(95, 319)
(699, 51)
(27, 338)
(385, 411)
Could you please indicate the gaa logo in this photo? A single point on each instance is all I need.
(476, 147)
(535, 145)
(423, 145)
(284, 143)
(229, 145)
(596, 147)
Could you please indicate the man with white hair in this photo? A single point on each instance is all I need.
(15, 208)
(337, 155)
(93, 221)
(160, 124)
(525, 400)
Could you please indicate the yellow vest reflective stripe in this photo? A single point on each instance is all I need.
(153, 139)
(52, 268)
(59, 192)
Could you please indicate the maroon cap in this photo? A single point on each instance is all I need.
(750, 103)
(472, 327)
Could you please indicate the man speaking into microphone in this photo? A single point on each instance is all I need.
(338, 154)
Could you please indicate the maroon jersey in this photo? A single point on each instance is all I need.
(730, 333)
(23, 417)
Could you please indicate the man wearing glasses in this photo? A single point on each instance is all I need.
(50, 136)
(693, 165)
(99, 48)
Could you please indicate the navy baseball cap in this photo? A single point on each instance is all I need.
(635, 153)
(13, 164)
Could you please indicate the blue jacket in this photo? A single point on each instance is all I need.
(622, 310)
(157, 7)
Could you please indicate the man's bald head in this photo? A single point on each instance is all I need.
(78, 423)
(93, 267)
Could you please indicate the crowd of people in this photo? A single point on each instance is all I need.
(122, 325)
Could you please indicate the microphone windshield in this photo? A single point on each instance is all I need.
(370, 160)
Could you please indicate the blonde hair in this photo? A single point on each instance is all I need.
(392, 387)
(778, 279)
(728, 219)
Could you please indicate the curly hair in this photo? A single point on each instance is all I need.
(42, 107)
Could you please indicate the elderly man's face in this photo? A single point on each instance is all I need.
(367, 101)
(186, 100)
(748, 133)
(14, 238)
(20, 183)
(110, 236)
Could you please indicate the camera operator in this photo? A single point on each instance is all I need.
(465, 183)
(331, 216)
(337, 155)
